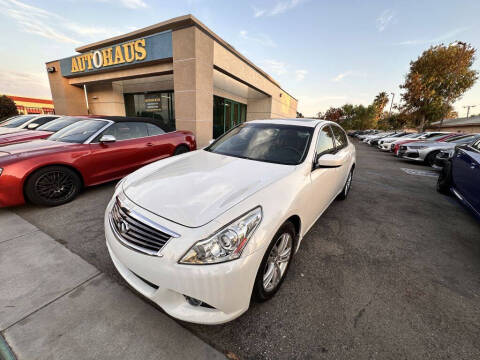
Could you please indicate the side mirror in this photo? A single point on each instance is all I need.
(328, 161)
(32, 126)
(108, 139)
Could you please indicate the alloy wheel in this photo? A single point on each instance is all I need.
(55, 186)
(277, 262)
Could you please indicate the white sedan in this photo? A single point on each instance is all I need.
(201, 233)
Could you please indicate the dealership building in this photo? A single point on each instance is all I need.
(178, 72)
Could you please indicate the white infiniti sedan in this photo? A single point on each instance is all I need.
(202, 233)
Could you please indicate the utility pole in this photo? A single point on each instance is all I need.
(468, 108)
(390, 112)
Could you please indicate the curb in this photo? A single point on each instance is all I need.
(5, 352)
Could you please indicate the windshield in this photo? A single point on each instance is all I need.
(275, 143)
(78, 132)
(18, 121)
(463, 139)
(436, 137)
(59, 124)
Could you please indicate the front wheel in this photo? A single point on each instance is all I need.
(275, 263)
(52, 186)
(444, 181)
(430, 158)
(346, 188)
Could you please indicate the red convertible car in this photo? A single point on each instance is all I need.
(42, 132)
(89, 152)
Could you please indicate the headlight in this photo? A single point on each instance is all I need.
(227, 243)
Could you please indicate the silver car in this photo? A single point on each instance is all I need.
(427, 151)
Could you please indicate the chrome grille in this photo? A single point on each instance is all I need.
(134, 232)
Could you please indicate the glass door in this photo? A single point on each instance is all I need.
(226, 115)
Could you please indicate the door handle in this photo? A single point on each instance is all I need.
(149, 144)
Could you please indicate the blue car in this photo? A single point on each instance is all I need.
(461, 176)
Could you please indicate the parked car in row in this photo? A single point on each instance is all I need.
(18, 123)
(200, 241)
(41, 132)
(85, 153)
(427, 151)
(427, 137)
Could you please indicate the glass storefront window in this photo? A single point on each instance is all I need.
(159, 106)
(226, 115)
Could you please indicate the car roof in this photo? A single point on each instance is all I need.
(119, 119)
(292, 121)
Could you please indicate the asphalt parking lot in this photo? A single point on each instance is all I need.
(392, 272)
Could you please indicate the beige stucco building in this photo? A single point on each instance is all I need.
(177, 71)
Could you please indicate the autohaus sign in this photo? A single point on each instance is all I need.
(145, 49)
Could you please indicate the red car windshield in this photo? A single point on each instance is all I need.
(78, 132)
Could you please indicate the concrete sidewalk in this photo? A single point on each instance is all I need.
(54, 305)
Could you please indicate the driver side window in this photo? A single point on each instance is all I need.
(325, 142)
(125, 131)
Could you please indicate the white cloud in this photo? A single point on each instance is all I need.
(300, 74)
(348, 73)
(274, 66)
(447, 36)
(343, 75)
(279, 8)
(25, 84)
(38, 21)
(261, 39)
(385, 19)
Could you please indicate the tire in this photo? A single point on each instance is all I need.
(430, 158)
(346, 188)
(52, 186)
(181, 149)
(444, 181)
(272, 263)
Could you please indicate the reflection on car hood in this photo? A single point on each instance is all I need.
(195, 188)
(6, 130)
(35, 147)
(23, 136)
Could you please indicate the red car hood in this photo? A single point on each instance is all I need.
(36, 147)
(25, 135)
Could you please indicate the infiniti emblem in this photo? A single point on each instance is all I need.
(123, 227)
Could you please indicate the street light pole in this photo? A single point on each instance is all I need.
(390, 112)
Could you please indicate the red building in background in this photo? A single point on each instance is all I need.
(26, 105)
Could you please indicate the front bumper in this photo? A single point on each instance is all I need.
(410, 155)
(225, 287)
(11, 190)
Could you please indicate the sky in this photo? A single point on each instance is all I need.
(323, 52)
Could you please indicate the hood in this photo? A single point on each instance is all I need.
(195, 188)
(24, 135)
(6, 130)
(35, 147)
